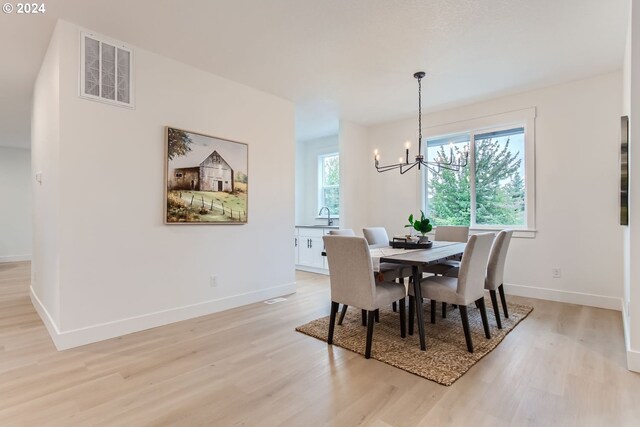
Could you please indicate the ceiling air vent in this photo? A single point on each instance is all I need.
(106, 72)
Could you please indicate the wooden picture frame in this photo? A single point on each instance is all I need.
(624, 170)
(206, 179)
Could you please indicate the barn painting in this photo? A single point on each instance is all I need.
(207, 180)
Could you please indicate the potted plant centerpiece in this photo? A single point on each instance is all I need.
(422, 225)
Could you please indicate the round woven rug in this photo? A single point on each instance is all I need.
(446, 358)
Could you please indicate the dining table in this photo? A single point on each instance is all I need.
(418, 259)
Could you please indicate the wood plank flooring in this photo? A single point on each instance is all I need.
(564, 365)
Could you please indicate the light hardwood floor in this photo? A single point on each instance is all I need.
(563, 365)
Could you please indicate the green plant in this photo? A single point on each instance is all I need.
(422, 225)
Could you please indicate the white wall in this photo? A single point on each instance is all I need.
(15, 215)
(354, 194)
(307, 153)
(121, 268)
(631, 246)
(577, 179)
(45, 146)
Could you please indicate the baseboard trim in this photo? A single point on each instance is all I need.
(312, 269)
(42, 311)
(15, 258)
(591, 300)
(64, 340)
(633, 356)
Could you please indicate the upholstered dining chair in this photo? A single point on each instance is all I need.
(495, 273)
(377, 237)
(353, 283)
(463, 290)
(447, 233)
(452, 233)
(342, 232)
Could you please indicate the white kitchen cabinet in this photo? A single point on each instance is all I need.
(309, 249)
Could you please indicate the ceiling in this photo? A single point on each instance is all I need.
(338, 59)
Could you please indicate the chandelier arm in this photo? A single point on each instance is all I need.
(403, 171)
(389, 167)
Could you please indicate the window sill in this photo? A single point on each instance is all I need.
(517, 233)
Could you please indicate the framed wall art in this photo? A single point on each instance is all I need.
(207, 179)
(624, 170)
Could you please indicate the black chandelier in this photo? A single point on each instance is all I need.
(434, 166)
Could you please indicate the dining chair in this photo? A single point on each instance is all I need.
(353, 283)
(447, 233)
(452, 233)
(463, 290)
(495, 273)
(377, 237)
(342, 232)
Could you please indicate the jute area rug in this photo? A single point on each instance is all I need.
(446, 358)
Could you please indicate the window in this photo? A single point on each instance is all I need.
(329, 182)
(493, 190)
(105, 71)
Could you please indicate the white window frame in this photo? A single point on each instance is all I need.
(118, 45)
(321, 158)
(519, 118)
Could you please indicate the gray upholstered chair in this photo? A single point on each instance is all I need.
(353, 283)
(463, 290)
(376, 236)
(342, 232)
(452, 233)
(448, 233)
(495, 273)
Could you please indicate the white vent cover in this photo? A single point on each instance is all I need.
(106, 71)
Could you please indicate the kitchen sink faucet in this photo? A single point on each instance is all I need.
(329, 220)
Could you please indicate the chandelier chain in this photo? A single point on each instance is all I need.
(419, 113)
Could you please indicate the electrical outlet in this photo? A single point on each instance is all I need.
(213, 281)
(556, 273)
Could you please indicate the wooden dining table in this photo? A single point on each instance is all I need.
(418, 259)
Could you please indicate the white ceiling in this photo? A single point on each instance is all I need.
(338, 59)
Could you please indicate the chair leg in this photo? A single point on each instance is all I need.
(433, 311)
(394, 306)
(370, 322)
(332, 321)
(364, 317)
(496, 309)
(477, 305)
(465, 326)
(342, 313)
(412, 313)
(485, 320)
(403, 323)
(377, 313)
(444, 310)
(504, 301)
